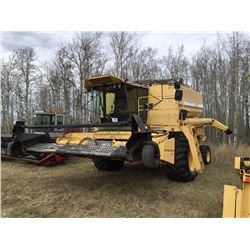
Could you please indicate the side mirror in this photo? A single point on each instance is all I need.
(178, 95)
(177, 84)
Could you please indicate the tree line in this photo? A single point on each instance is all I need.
(221, 71)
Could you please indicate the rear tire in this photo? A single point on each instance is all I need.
(107, 165)
(206, 154)
(180, 170)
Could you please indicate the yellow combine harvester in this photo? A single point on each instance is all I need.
(166, 127)
(156, 122)
(237, 201)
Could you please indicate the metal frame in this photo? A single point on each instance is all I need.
(236, 202)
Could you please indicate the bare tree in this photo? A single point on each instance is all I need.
(65, 76)
(175, 64)
(233, 47)
(221, 72)
(87, 57)
(244, 98)
(144, 65)
(7, 94)
(123, 47)
(25, 67)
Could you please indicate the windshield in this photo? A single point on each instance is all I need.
(117, 102)
(43, 119)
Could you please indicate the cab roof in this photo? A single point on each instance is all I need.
(97, 81)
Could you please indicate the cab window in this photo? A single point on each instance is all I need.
(59, 120)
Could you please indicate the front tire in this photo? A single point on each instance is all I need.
(180, 170)
(150, 156)
(107, 165)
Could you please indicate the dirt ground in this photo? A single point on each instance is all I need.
(77, 189)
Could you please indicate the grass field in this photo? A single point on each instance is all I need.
(77, 189)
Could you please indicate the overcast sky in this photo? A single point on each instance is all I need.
(46, 43)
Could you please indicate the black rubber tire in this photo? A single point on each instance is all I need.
(206, 154)
(180, 170)
(150, 156)
(107, 165)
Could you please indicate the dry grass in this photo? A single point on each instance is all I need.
(77, 189)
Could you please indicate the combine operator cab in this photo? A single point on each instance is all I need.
(116, 100)
(42, 118)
